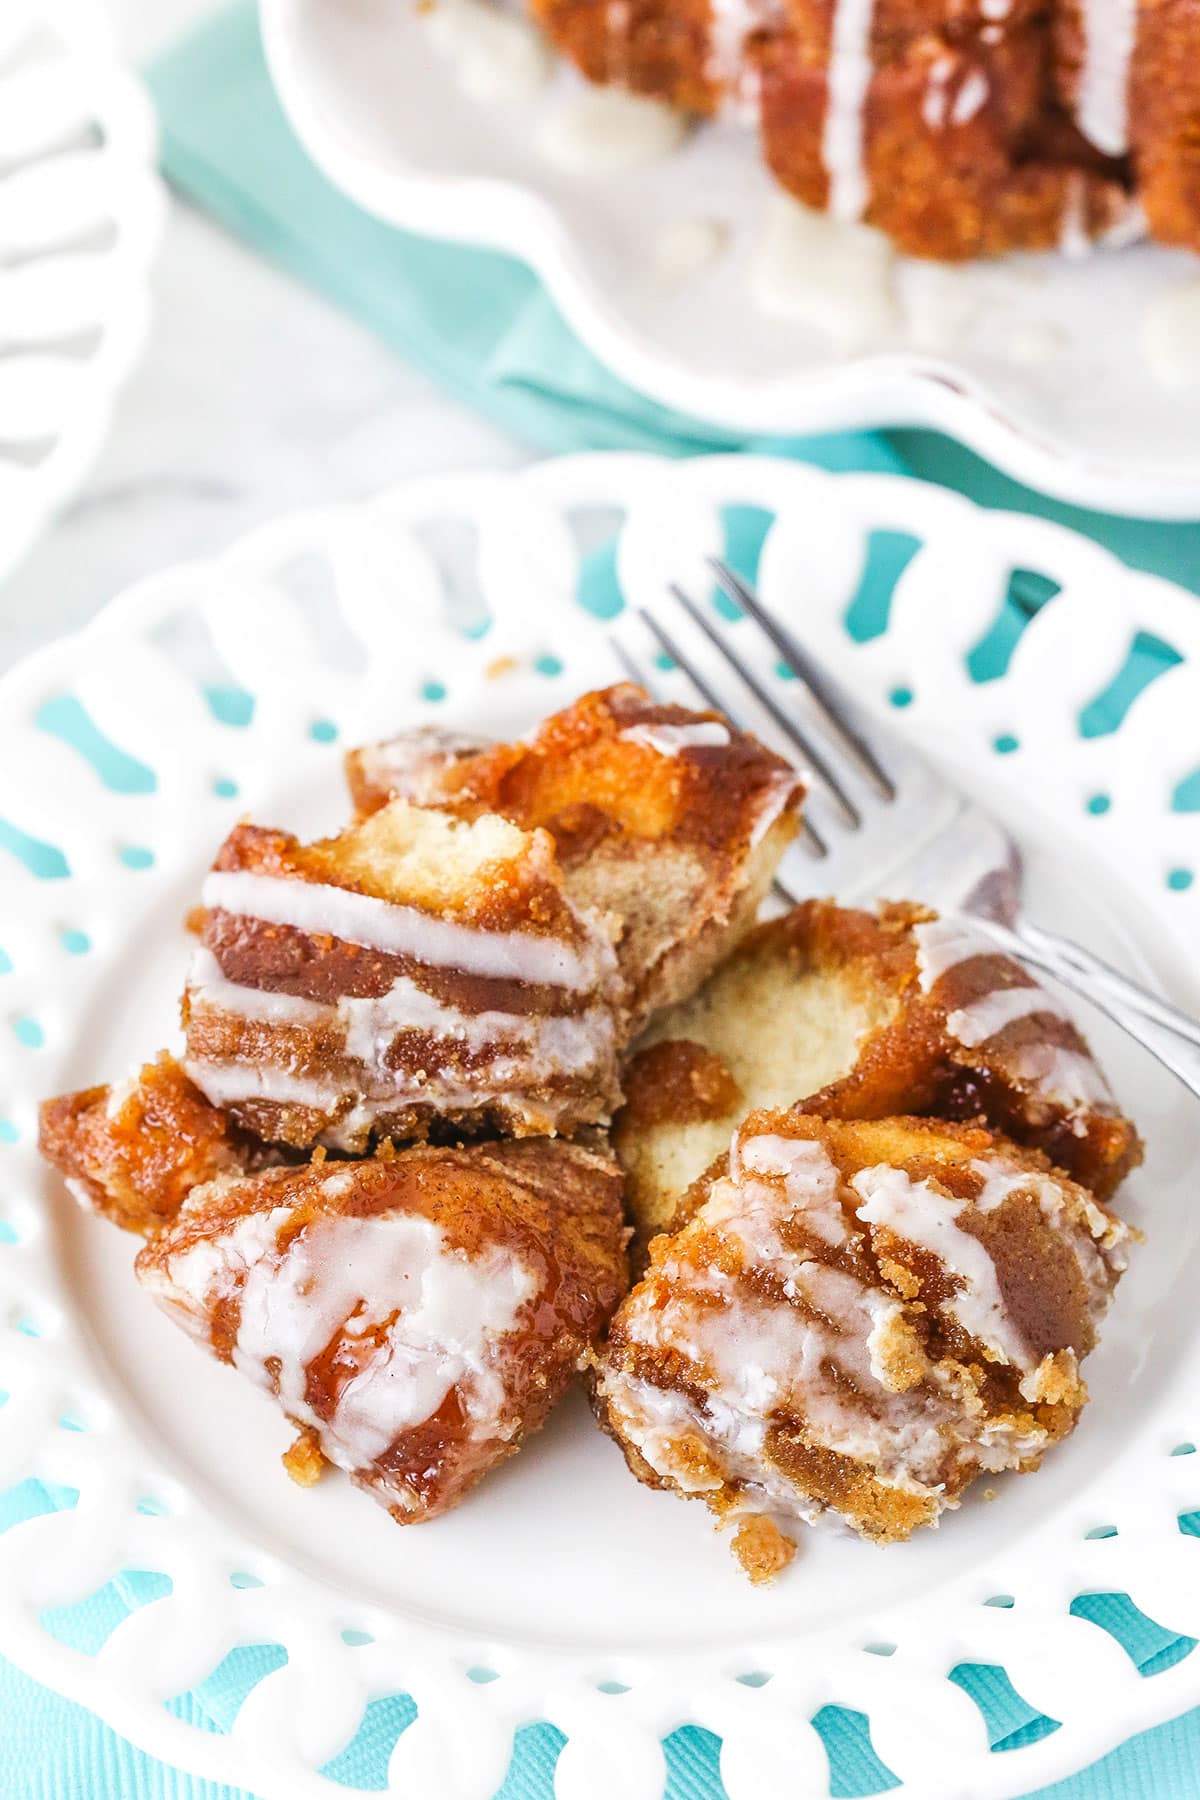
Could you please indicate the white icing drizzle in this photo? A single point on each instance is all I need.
(343, 1278)
(916, 1211)
(607, 130)
(849, 79)
(774, 804)
(1098, 1244)
(1074, 239)
(810, 1181)
(935, 101)
(230, 1083)
(616, 36)
(944, 943)
(1102, 102)
(669, 740)
(369, 1025)
(971, 98)
(497, 55)
(411, 765)
(687, 248)
(1060, 1074)
(208, 988)
(1067, 1078)
(525, 1049)
(986, 1017)
(755, 1358)
(731, 22)
(503, 1083)
(937, 108)
(819, 271)
(398, 930)
(836, 1353)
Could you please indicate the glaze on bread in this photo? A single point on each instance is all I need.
(415, 968)
(670, 820)
(864, 1015)
(135, 1150)
(861, 1318)
(960, 131)
(417, 1316)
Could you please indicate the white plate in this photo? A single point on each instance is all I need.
(81, 213)
(562, 1575)
(385, 114)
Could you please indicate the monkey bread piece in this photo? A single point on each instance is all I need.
(135, 1150)
(864, 1015)
(415, 766)
(417, 968)
(859, 1318)
(960, 128)
(415, 1317)
(670, 819)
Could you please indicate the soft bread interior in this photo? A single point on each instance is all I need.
(410, 856)
(778, 1024)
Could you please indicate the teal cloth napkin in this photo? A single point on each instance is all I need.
(480, 325)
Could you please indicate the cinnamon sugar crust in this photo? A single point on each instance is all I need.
(970, 131)
(416, 969)
(858, 1317)
(666, 818)
(416, 1316)
(853, 1014)
(134, 1151)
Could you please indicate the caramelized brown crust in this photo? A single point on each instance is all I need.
(918, 1063)
(456, 983)
(135, 1151)
(826, 1006)
(859, 1316)
(660, 51)
(545, 1211)
(947, 178)
(678, 839)
(969, 141)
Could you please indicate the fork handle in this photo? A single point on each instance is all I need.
(1094, 978)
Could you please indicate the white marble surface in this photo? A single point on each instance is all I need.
(254, 397)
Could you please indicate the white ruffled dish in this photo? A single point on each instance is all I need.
(562, 1578)
(1044, 365)
(81, 214)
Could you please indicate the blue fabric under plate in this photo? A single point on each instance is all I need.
(481, 326)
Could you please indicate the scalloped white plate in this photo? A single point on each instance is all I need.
(385, 114)
(562, 1576)
(81, 213)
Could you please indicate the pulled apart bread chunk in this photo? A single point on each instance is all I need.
(857, 1317)
(134, 1151)
(415, 968)
(670, 819)
(416, 1317)
(862, 1015)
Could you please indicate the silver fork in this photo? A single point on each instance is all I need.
(894, 827)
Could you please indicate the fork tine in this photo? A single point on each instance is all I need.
(698, 681)
(629, 664)
(790, 729)
(808, 831)
(819, 685)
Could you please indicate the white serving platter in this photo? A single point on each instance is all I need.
(1044, 365)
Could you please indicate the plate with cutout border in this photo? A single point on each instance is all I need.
(562, 1591)
(81, 216)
